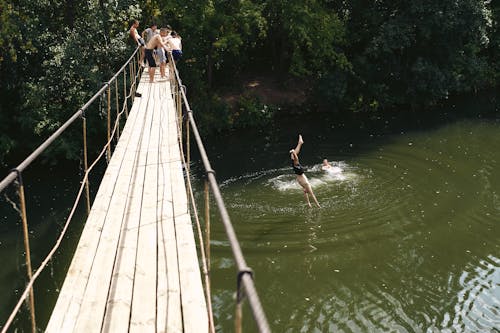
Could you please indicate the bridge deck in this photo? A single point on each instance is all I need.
(136, 268)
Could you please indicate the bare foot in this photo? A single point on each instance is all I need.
(300, 139)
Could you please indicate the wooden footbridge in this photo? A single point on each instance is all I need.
(136, 267)
(137, 253)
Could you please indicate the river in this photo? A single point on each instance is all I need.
(407, 239)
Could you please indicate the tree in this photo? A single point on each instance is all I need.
(219, 34)
(494, 45)
(305, 37)
(53, 57)
(417, 52)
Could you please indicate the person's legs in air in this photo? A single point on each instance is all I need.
(300, 142)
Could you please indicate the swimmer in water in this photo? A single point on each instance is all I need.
(326, 165)
(331, 169)
(299, 171)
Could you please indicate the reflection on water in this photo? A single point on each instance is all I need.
(477, 306)
(407, 239)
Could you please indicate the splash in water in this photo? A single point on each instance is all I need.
(339, 172)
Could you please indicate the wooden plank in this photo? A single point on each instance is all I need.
(143, 315)
(120, 295)
(96, 215)
(194, 311)
(136, 267)
(74, 284)
(163, 182)
(92, 310)
(173, 314)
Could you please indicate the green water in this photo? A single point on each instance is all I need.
(407, 239)
(50, 192)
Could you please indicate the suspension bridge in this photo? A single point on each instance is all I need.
(137, 264)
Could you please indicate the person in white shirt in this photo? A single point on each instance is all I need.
(175, 45)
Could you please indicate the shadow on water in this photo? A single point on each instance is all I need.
(407, 236)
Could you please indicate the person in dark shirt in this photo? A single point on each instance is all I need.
(299, 172)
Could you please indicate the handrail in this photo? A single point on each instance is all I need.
(244, 272)
(24, 164)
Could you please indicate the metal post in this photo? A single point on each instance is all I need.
(125, 92)
(179, 108)
(170, 74)
(207, 224)
(176, 85)
(117, 110)
(24, 219)
(132, 91)
(130, 75)
(188, 145)
(240, 295)
(134, 69)
(109, 122)
(85, 162)
(173, 81)
(207, 257)
(238, 318)
(132, 78)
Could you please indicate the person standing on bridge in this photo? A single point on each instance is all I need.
(162, 53)
(155, 43)
(299, 172)
(150, 32)
(175, 45)
(137, 38)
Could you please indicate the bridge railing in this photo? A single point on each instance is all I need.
(110, 88)
(245, 286)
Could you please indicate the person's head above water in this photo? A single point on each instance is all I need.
(325, 165)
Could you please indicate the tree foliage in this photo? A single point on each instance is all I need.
(54, 56)
(417, 52)
(354, 55)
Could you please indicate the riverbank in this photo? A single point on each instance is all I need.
(266, 101)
